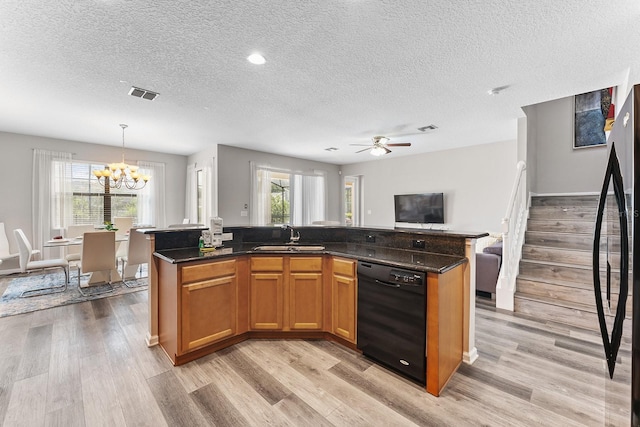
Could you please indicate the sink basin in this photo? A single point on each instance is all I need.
(287, 248)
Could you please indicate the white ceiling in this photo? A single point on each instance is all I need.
(337, 71)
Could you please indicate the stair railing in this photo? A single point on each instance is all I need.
(513, 228)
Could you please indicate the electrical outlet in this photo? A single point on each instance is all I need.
(418, 244)
(370, 238)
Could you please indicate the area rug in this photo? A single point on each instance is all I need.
(11, 303)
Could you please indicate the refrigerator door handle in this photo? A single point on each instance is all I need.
(612, 343)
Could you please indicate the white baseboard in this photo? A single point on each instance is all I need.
(471, 356)
(152, 340)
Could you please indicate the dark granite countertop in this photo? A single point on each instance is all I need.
(414, 260)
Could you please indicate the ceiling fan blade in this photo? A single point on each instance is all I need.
(399, 144)
(364, 150)
(388, 151)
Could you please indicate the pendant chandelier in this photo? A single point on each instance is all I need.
(115, 175)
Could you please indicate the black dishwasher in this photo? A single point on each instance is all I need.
(392, 318)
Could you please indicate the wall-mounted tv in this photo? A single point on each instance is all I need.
(426, 208)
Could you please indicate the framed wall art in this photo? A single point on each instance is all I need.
(593, 116)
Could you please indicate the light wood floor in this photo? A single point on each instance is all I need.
(87, 365)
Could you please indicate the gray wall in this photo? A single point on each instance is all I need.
(16, 175)
(476, 182)
(553, 165)
(234, 181)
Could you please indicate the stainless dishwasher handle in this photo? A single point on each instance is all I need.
(391, 285)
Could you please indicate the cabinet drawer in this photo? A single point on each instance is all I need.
(344, 267)
(297, 264)
(195, 273)
(267, 263)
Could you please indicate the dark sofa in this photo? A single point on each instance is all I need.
(488, 264)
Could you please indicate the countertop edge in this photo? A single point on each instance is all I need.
(210, 256)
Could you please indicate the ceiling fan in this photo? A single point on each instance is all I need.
(381, 145)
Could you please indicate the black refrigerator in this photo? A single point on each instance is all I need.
(617, 235)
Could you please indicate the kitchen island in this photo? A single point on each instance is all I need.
(205, 301)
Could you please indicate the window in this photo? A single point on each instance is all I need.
(280, 199)
(352, 210)
(200, 197)
(286, 197)
(94, 204)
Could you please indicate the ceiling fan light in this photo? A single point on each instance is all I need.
(256, 59)
(378, 151)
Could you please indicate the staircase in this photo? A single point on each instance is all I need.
(555, 281)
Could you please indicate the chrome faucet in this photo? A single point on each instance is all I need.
(294, 236)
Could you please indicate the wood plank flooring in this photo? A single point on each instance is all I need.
(87, 365)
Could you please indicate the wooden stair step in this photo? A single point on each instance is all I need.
(580, 241)
(561, 226)
(560, 240)
(557, 255)
(562, 273)
(582, 285)
(580, 295)
(577, 200)
(565, 313)
(567, 256)
(579, 213)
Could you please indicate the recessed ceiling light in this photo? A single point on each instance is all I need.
(256, 58)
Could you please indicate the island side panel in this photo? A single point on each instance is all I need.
(168, 301)
(470, 352)
(445, 306)
(152, 336)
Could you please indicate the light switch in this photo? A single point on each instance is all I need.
(244, 213)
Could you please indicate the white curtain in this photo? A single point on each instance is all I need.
(207, 193)
(260, 194)
(52, 203)
(151, 200)
(308, 199)
(307, 192)
(191, 195)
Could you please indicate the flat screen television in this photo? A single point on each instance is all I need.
(426, 208)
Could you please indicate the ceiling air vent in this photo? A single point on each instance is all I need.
(143, 93)
(428, 128)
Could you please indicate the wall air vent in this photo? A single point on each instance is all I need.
(143, 93)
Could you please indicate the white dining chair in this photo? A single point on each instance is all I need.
(10, 261)
(123, 224)
(98, 255)
(136, 255)
(73, 232)
(26, 265)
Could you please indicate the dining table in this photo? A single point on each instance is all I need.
(96, 276)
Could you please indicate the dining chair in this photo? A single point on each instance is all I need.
(123, 224)
(10, 262)
(26, 265)
(98, 254)
(136, 255)
(75, 231)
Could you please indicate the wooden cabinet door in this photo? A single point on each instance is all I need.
(344, 307)
(266, 293)
(208, 311)
(305, 300)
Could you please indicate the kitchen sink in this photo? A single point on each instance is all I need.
(288, 248)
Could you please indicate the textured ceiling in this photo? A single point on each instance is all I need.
(337, 72)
